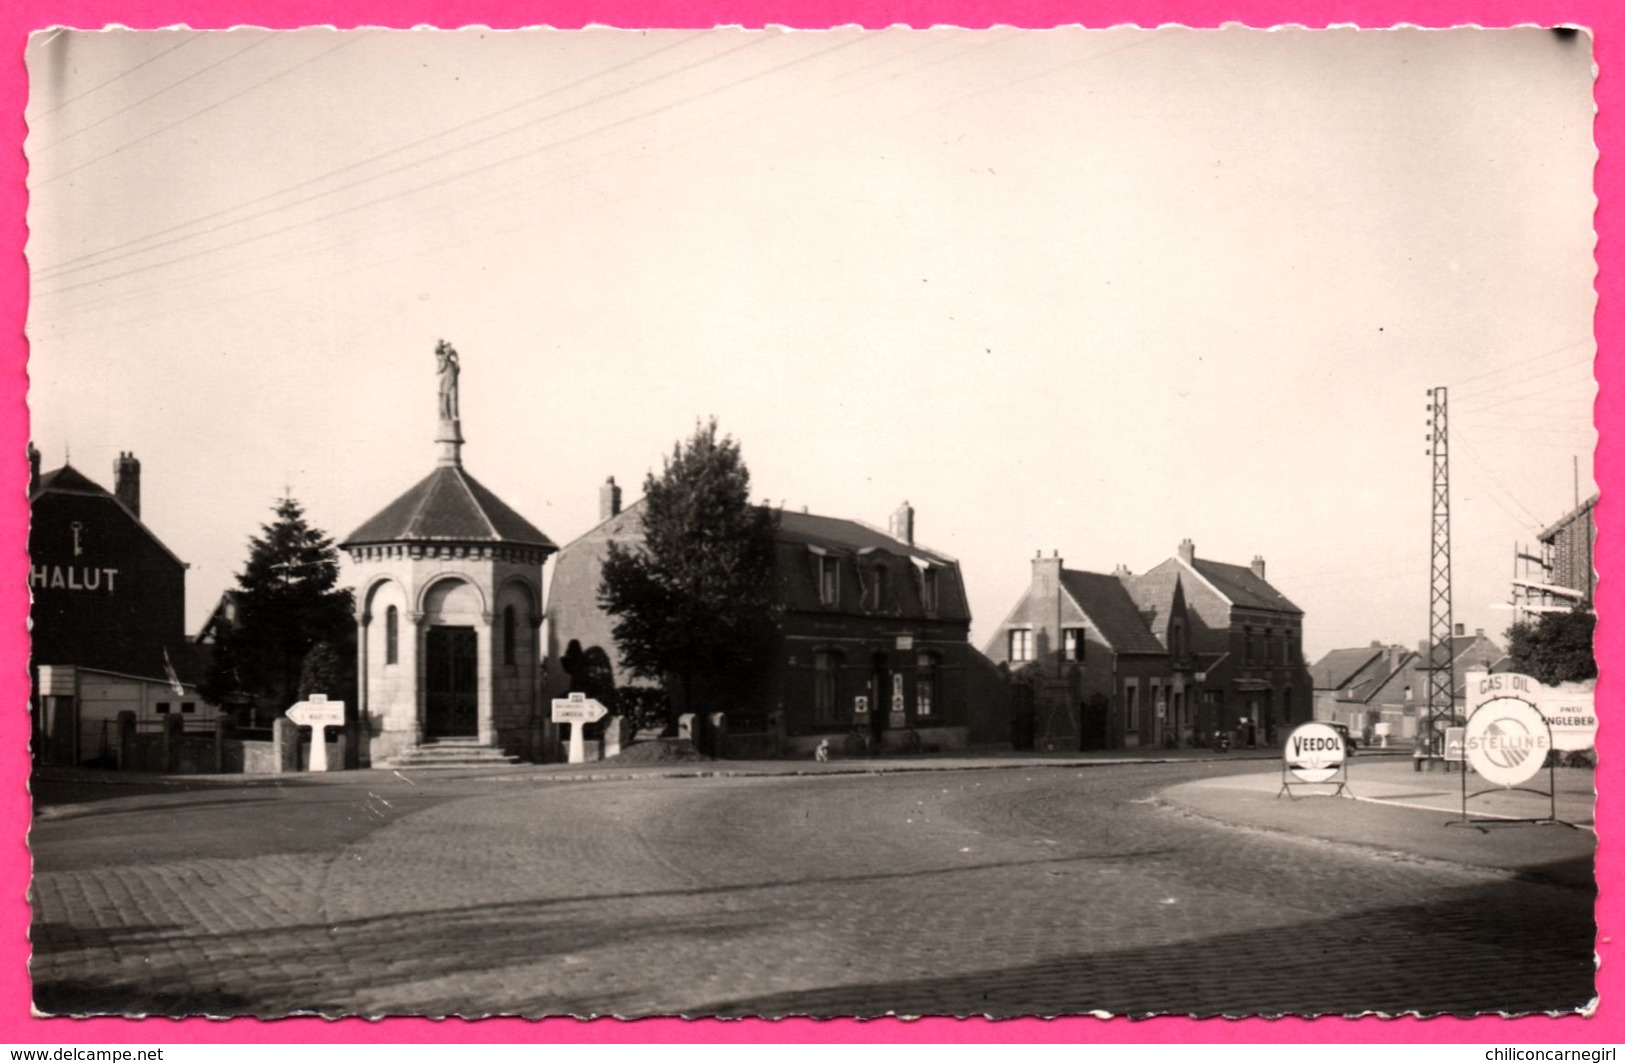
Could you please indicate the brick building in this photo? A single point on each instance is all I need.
(1245, 639)
(108, 609)
(870, 635)
(1089, 671)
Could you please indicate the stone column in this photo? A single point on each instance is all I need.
(485, 656)
(412, 664)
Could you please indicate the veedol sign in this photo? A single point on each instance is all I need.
(1314, 752)
(1570, 710)
(1506, 741)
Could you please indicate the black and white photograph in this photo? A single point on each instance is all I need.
(751, 523)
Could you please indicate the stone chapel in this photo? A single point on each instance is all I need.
(449, 610)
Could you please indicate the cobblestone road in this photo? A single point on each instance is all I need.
(1008, 892)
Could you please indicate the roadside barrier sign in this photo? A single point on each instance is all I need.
(1313, 754)
(1507, 741)
(1455, 744)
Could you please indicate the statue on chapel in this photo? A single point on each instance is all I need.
(446, 365)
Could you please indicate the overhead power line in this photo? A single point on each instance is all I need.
(186, 38)
(167, 88)
(204, 110)
(107, 254)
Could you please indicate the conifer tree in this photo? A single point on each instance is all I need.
(289, 604)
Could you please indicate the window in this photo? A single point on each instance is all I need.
(925, 685)
(162, 708)
(877, 587)
(392, 635)
(1247, 647)
(1269, 645)
(928, 589)
(508, 635)
(1176, 638)
(829, 580)
(188, 706)
(1072, 643)
(1131, 705)
(1021, 645)
(824, 686)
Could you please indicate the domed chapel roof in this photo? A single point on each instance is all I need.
(449, 505)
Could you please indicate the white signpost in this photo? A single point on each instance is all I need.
(1314, 753)
(577, 710)
(318, 714)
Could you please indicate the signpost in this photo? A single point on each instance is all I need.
(318, 714)
(577, 710)
(1313, 753)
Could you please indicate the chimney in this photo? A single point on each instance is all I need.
(1376, 644)
(609, 500)
(33, 468)
(902, 524)
(1479, 632)
(1187, 552)
(1258, 566)
(1047, 566)
(127, 482)
(1122, 571)
(1461, 630)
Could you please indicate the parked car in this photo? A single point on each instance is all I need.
(1348, 739)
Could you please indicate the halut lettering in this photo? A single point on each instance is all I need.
(72, 578)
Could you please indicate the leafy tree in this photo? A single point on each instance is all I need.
(693, 601)
(289, 604)
(1557, 648)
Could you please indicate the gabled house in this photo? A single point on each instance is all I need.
(107, 616)
(1389, 684)
(1245, 639)
(871, 634)
(1354, 687)
(1091, 672)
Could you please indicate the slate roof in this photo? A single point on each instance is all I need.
(448, 505)
(836, 533)
(1238, 583)
(70, 481)
(1107, 604)
(1339, 667)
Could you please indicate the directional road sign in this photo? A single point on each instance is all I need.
(318, 714)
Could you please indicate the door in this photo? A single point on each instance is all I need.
(451, 708)
(879, 698)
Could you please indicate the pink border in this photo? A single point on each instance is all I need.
(17, 19)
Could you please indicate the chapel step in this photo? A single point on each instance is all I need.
(450, 753)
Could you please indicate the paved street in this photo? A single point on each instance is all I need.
(1036, 890)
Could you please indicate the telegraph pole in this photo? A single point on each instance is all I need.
(1441, 699)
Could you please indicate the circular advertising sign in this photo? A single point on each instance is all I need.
(1507, 740)
(1314, 752)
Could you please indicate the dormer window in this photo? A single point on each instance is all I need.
(1072, 644)
(877, 587)
(829, 580)
(928, 589)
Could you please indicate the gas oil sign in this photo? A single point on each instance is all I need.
(1314, 753)
(1570, 709)
(1506, 741)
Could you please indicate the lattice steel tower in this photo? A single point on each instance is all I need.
(1441, 700)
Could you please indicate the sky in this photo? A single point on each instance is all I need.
(1092, 292)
